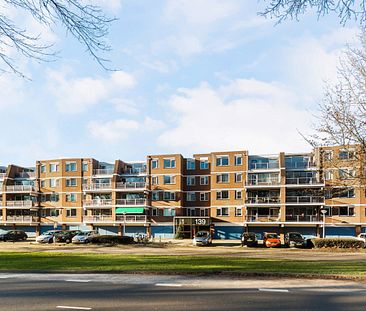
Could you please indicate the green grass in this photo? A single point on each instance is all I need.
(173, 264)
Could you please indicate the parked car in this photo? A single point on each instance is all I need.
(66, 236)
(47, 237)
(202, 238)
(294, 239)
(84, 237)
(13, 235)
(271, 239)
(362, 236)
(249, 239)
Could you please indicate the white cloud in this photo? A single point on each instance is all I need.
(79, 94)
(125, 106)
(244, 114)
(113, 131)
(152, 124)
(11, 90)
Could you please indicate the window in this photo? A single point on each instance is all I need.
(155, 180)
(340, 193)
(346, 173)
(71, 182)
(85, 167)
(43, 168)
(71, 197)
(203, 164)
(54, 167)
(222, 195)
(169, 212)
(169, 179)
(328, 155)
(71, 212)
(50, 212)
(191, 180)
(155, 196)
(238, 160)
(328, 175)
(154, 163)
(238, 177)
(222, 161)
(154, 212)
(191, 196)
(53, 182)
(43, 183)
(238, 211)
(204, 196)
(346, 154)
(191, 164)
(169, 163)
(169, 196)
(71, 167)
(222, 211)
(204, 180)
(222, 178)
(238, 194)
(343, 210)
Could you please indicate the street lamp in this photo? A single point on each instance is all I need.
(124, 223)
(323, 211)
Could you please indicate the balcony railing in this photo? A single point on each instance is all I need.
(304, 199)
(299, 165)
(131, 218)
(262, 218)
(264, 182)
(22, 219)
(97, 202)
(25, 175)
(25, 203)
(103, 171)
(98, 218)
(263, 200)
(20, 188)
(131, 185)
(264, 166)
(135, 171)
(302, 218)
(131, 202)
(302, 181)
(99, 186)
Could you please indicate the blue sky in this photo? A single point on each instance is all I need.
(194, 76)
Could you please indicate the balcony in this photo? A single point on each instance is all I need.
(264, 182)
(21, 219)
(302, 218)
(20, 204)
(98, 187)
(98, 203)
(20, 188)
(131, 218)
(25, 175)
(131, 202)
(303, 181)
(305, 199)
(99, 219)
(300, 165)
(262, 218)
(131, 186)
(135, 171)
(264, 166)
(103, 171)
(263, 200)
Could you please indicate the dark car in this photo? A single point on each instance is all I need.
(65, 236)
(294, 239)
(249, 239)
(13, 235)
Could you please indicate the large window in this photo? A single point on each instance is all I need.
(155, 180)
(203, 164)
(85, 167)
(222, 161)
(154, 163)
(169, 212)
(238, 177)
(191, 196)
(43, 168)
(346, 154)
(168, 179)
(169, 196)
(346, 173)
(169, 163)
(238, 194)
(53, 182)
(155, 196)
(204, 196)
(191, 180)
(71, 167)
(238, 160)
(71, 197)
(54, 167)
(191, 164)
(222, 211)
(71, 182)
(204, 180)
(342, 210)
(222, 195)
(238, 211)
(71, 212)
(222, 178)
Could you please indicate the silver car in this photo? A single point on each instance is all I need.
(202, 238)
(84, 237)
(47, 237)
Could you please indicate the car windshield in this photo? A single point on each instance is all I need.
(83, 233)
(3, 231)
(295, 236)
(272, 236)
(202, 234)
(48, 233)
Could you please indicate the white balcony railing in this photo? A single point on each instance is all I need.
(134, 171)
(98, 218)
(302, 181)
(22, 219)
(264, 166)
(25, 175)
(131, 218)
(103, 171)
(97, 202)
(263, 200)
(25, 203)
(262, 218)
(300, 165)
(302, 218)
(304, 199)
(99, 186)
(131, 185)
(263, 182)
(20, 188)
(131, 202)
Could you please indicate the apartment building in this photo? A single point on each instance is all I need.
(173, 196)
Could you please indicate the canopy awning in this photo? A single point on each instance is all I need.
(129, 210)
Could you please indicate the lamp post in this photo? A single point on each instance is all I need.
(124, 223)
(323, 211)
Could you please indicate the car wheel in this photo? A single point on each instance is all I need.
(68, 241)
(50, 241)
(24, 238)
(87, 241)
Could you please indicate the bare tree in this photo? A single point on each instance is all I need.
(86, 22)
(345, 9)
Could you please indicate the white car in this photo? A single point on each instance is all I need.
(202, 238)
(47, 237)
(362, 236)
(84, 237)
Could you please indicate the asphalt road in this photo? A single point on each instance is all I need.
(28, 292)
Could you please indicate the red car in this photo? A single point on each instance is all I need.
(271, 239)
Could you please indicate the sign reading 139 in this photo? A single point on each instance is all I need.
(200, 221)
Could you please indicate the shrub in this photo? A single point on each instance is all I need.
(338, 243)
(112, 239)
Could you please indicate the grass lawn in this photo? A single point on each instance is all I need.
(53, 261)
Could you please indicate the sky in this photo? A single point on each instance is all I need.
(191, 77)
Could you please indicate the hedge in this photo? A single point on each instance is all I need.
(112, 239)
(338, 243)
